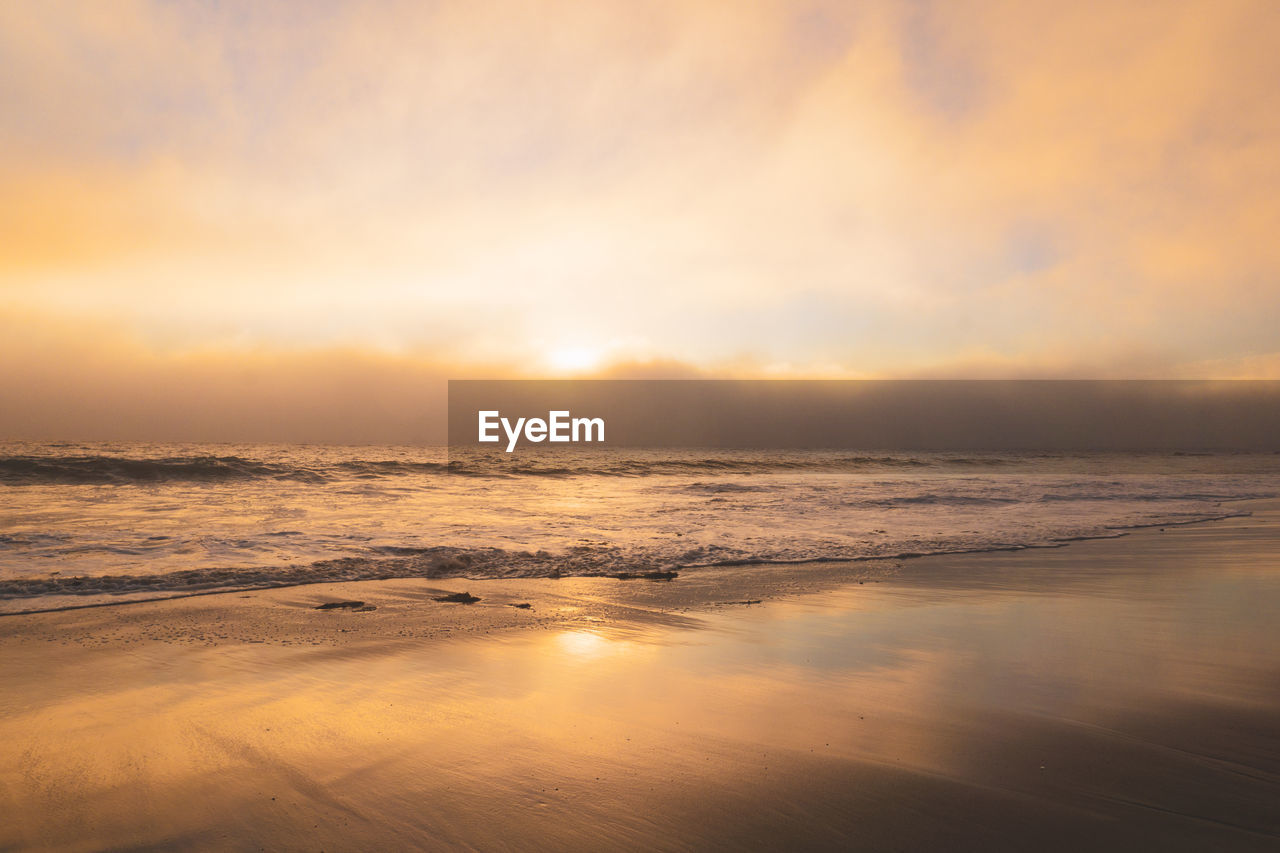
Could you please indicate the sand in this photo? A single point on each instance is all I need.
(1114, 694)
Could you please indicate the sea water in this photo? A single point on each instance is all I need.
(103, 521)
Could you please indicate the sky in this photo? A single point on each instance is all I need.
(293, 221)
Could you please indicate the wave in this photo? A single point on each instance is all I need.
(120, 470)
(939, 500)
(327, 466)
(104, 470)
(1147, 497)
(395, 562)
(605, 464)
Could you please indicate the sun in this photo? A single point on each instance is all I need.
(573, 359)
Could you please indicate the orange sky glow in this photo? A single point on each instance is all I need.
(252, 221)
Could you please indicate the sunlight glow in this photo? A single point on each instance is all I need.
(583, 645)
(573, 359)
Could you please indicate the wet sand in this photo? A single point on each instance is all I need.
(1112, 694)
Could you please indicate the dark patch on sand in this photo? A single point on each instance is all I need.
(648, 576)
(458, 598)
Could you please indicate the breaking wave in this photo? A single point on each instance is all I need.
(124, 470)
(396, 562)
(103, 470)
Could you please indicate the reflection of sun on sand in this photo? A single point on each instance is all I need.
(583, 644)
(1112, 694)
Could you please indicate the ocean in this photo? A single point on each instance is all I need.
(89, 524)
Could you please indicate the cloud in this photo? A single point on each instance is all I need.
(86, 381)
(839, 189)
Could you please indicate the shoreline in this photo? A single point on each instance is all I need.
(797, 565)
(1119, 693)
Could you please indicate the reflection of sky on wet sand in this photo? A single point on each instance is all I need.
(1151, 682)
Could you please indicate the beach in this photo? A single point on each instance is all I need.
(1115, 693)
(621, 426)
